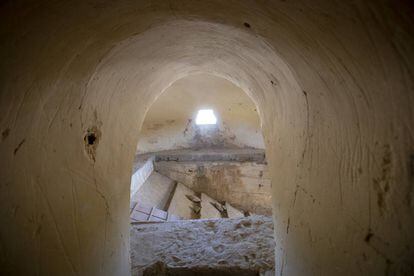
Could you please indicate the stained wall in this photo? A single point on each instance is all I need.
(245, 185)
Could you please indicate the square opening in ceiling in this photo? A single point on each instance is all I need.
(206, 117)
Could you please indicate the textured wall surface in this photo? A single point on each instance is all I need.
(245, 185)
(171, 121)
(201, 244)
(333, 86)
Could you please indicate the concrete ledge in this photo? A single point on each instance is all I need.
(206, 155)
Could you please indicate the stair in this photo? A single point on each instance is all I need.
(181, 205)
(233, 212)
(208, 210)
(162, 199)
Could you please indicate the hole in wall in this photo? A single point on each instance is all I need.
(91, 140)
(247, 25)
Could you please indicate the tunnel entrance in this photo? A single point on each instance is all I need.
(200, 189)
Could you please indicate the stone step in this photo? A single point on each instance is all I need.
(181, 205)
(208, 210)
(233, 212)
(164, 194)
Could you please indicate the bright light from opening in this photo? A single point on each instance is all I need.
(206, 117)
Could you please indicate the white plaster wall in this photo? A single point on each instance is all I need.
(332, 82)
(170, 121)
(141, 175)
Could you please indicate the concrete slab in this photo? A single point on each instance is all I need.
(233, 212)
(155, 192)
(180, 205)
(207, 209)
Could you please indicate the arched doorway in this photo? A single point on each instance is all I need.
(200, 172)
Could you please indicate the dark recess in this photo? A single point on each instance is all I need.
(90, 138)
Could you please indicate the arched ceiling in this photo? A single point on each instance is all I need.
(170, 123)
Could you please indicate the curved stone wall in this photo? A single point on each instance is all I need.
(333, 86)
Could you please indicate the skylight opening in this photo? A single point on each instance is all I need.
(206, 117)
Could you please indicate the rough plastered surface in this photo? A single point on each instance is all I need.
(333, 85)
(170, 122)
(245, 243)
(246, 185)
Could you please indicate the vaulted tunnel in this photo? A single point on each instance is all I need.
(332, 83)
